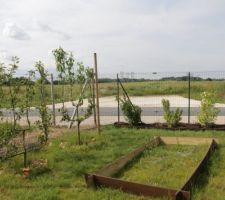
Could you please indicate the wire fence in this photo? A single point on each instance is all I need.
(182, 89)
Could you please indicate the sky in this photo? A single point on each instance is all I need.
(127, 35)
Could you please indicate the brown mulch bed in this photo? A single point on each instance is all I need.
(181, 126)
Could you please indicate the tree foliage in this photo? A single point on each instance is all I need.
(84, 77)
(45, 116)
(65, 67)
(29, 95)
(14, 90)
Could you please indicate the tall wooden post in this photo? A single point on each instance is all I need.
(189, 97)
(25, 151)
(53, 100)
(118, 98)
(97, 92)
(93, 97)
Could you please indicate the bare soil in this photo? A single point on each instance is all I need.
(180, 126)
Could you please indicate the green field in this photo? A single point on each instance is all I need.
(63, 177)
(133, 89)
(168, 88)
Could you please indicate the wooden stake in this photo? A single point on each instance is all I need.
(93, 96)
(25, 151)
(97, 92)
(118, 98)
(189, 97)
(53, 100)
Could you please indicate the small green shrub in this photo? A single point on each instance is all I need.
(132, 112)
(172, 117)
(208, 113)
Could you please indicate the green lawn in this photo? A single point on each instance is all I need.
(63, 177)
(133, 89)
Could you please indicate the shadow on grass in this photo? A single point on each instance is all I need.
(203, 179)
(130, 164)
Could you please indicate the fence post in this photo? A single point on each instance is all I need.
(25, 150)
(53, 100)
(97, 92)
(118, 98)
(189, 97)
(93, 97)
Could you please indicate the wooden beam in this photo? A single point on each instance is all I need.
(97, 92)
(120, 163)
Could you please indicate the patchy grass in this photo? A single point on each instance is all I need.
(63, 178)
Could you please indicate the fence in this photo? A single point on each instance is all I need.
(146, 90)
(182, 89)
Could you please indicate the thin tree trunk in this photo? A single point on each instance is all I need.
(14, 118)
(78, 133)
(71, 92)
(63, 93)
(43, 114)
(78, 126)
(27, 115)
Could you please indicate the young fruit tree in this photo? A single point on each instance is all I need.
(14, 91)
(208, 113)
(60, 60)
(84, 78)
(65, 67)
(45, 115)
(70, 74)
(172, 117)
(29, 95)
(9, 131)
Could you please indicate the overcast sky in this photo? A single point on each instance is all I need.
(127, 35)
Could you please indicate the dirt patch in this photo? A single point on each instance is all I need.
(32, 142)
(180, 126)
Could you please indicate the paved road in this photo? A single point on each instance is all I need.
(112, 111)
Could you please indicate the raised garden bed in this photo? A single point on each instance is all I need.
(180, 126)
(155, 165)
(104, 177)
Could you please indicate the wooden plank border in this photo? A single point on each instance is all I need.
(198, 170)
(118, 164)
(103, 177)
(134, 188)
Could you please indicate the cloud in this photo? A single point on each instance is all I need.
(11, 30)
(46, 28)
(135, 35)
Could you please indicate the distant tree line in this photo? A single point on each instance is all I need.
(23, 80)
(172, 78)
